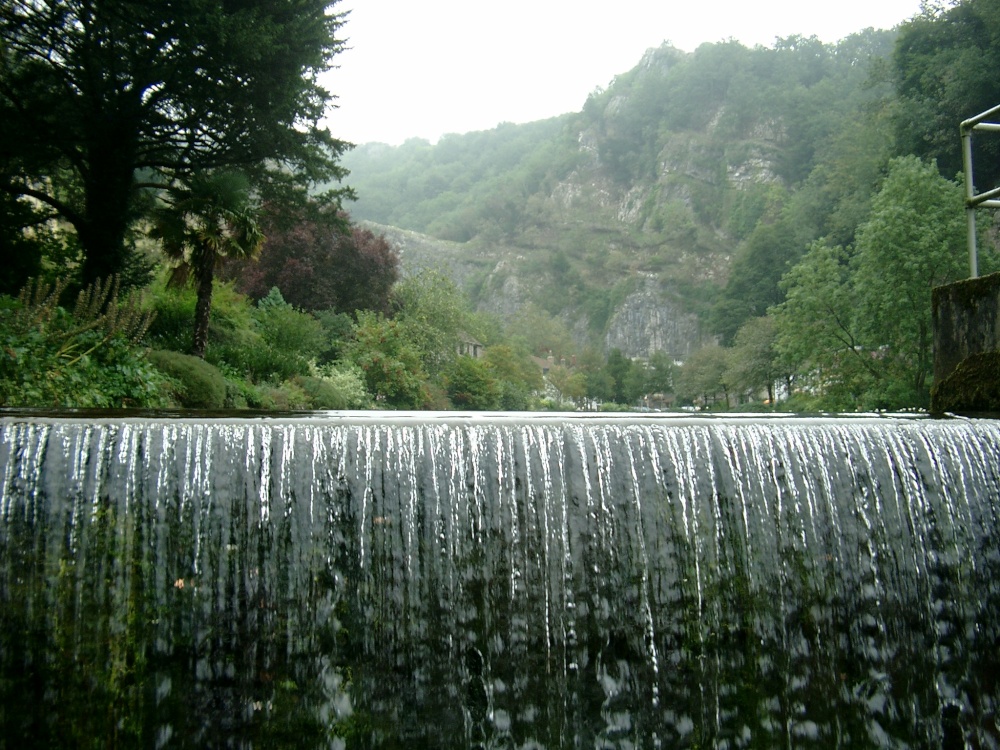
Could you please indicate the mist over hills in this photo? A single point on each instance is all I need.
(662, 215)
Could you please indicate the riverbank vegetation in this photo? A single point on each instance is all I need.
(414, 350)
(174, 233)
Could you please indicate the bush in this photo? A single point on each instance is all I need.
(340, 387)
(384, 351)
(551, 404)
(201, 385)
(612, 406)
(271, 341)
(87, 358)
(291, 337)
(173, 323)
(243, 395)
(471, 385)
(321, 393)
(514, 397)
(285, 397)
(337, 328)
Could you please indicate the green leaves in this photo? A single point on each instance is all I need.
(914, 241)
(102, 99)
(204, 220)
(471, 384)
(391, 364)
(942, 61)
(50, 357)
(856, 322)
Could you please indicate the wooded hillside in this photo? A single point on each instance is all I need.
(664, 215)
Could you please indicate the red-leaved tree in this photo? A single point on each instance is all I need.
(321, 264)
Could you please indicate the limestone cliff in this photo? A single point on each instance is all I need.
(622, 219)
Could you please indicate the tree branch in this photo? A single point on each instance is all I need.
(63, 209)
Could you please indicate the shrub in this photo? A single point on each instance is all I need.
(291, 338)
(514, 397)
(270, 342)
(174, 322)
(551, 404)
(285, 397)
(471, 385)
(386, 354)
(612, 406)
(321, 393)
(201, 385)
(341, 387)
(243, 395)
(87, 358)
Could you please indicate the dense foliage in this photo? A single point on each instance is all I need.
(84, 357)
(945, 61)
(465, 185)
(856, 323)
(320, 263)
(797, 202)
(201, 224)
(100, 102)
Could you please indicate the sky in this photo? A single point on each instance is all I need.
(424, 68)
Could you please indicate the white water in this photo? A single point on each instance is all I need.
(517, 581)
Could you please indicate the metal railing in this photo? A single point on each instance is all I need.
(972, 199)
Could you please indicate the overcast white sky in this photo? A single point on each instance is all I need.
(423, 68)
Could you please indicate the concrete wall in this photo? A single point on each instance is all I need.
(967, 345)
(966, 322)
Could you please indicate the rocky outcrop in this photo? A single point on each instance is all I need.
(649, 321)
(505, 295)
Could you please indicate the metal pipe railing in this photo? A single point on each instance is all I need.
(972, 199)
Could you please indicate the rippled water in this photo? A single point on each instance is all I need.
(499, 582)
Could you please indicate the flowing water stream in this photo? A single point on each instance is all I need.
(454, 581)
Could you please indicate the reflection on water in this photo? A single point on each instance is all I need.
(447, 581)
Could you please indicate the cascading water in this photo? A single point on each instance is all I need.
(499, 582)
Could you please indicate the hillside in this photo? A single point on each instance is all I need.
(625, 219)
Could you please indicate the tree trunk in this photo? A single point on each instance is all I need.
(103, 241)
(108, 188)
(204, 274)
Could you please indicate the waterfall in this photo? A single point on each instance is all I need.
(458, 581)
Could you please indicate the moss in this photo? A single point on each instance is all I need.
(202, 386)
(973, 387)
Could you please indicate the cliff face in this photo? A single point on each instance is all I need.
(645, 236)
(650, 318)
(649, 321)
(621, 220)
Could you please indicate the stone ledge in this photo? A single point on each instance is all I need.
(966, 318)
(972, 388)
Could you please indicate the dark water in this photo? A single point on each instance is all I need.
(503, 582)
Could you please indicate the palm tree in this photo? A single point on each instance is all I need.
(201, 223)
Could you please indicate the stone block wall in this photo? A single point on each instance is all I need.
(967, 346)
